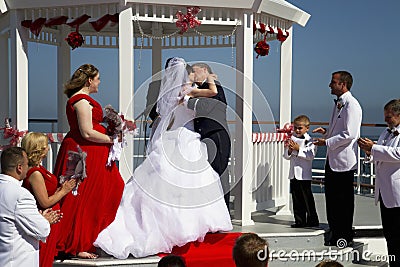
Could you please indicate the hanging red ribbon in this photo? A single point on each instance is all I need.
(189, 20)
(280, 36)
(56, 21)
(35, 27)
(78, 21)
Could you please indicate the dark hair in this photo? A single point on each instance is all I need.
(203, 65)
(11, 157)
(79, 79)
(167, 62)
(345, 77)
(249, 251)
(189, 69)
(171, 261)
(393, 106)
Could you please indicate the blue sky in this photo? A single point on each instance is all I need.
(355, 35)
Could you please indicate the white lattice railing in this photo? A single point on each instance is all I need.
(270, 183)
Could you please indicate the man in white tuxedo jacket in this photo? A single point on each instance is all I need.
(386, 156)
(341, 158)
(21, 224)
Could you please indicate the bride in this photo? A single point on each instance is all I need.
(174, 196)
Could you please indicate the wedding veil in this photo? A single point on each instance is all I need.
(174, 78)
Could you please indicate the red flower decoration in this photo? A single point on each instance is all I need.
(189, 20)
(287, 129)
(262, 48)
(75, 39)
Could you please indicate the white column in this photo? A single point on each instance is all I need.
(19, 71)
(243, 147)
(285, 109)
(126, 82)
(4, 80)
(156, 52)
(63, 74)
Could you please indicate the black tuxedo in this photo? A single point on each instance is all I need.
(210, 122)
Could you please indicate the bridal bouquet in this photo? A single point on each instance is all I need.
(117, 127)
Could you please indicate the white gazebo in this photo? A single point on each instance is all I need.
(150, 24)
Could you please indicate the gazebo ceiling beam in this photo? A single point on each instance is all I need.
(4, 23)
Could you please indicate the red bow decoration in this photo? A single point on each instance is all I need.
(35, 27)
(287, 129)
(280, 35)
(75, 39)
(13, 133)
(262, 28)
(189, 20)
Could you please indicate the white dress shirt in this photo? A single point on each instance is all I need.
(342, 134)
(21, 225)
(301, 161)
(386, 156)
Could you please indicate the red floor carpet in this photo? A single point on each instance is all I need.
(215, 251)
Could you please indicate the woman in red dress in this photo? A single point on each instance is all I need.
(44, 186)
(94, 207)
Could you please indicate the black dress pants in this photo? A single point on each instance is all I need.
(303, 203)
(218, 150)
(391, 230)
(339, 197)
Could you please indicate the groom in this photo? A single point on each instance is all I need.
(210, 122)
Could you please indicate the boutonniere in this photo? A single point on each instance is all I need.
(395, 133)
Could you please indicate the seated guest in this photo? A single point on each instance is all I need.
(250, 250)
(171, 261)
(21, 224)
(44, 186)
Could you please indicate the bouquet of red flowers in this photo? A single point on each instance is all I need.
(75, 39)
(117, 126)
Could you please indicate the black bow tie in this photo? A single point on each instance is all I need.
(337, 100)
(393, 131)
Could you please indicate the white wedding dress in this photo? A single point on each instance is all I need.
(174, 197)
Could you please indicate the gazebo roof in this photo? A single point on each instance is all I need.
(279, 8)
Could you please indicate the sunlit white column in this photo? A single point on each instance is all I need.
(285, 111)
(19, 71)
(4, 80)
(126, 83)
(63, 74)
(243, 146)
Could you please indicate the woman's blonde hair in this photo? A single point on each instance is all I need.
(35, 145)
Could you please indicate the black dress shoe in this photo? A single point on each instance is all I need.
(316, 224)
(297, 225)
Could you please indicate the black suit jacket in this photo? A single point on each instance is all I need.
(210, 112)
